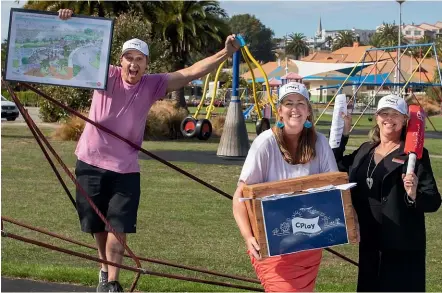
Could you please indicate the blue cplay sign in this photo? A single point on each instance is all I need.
(295, 223)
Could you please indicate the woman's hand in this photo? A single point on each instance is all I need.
(347, 123)
(253, 247)
(410, 184)
(65, 14)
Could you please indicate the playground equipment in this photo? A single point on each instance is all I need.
(262, 123)
(400, 88)
(234, 139)
(188, 125)
(202, 128)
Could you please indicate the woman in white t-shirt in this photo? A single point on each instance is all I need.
(290, 149)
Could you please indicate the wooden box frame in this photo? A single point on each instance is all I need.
(295, 185)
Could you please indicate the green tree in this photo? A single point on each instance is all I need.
(376, 40)
(4, 51)
(257, 36)
(388, 34)
(438, 43)
(420, 52)
(133, 25)
(188, 27)
(278, 48)
(435, 93)
(329, 42)
(297, 46)
(77, 99)
(343, 39)
(97, 8)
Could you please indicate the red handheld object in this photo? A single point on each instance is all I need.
(414, 141)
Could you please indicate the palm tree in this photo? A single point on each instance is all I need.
(97, 8)
(329, 42)
(389, 35)
(419, 52)
(189, 27)
(376, 40)
(439, 48)
(343, 39)
(297, 45)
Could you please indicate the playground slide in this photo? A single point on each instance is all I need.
(247, 111)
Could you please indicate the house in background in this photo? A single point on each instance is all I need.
(413, 33)
(324, 72)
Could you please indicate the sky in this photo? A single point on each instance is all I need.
(285, 17)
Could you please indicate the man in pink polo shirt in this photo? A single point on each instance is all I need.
(107, 168)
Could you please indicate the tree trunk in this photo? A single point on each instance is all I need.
(179, 97)
(179, 94)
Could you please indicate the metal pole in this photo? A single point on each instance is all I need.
(235, 75)
(286, 59)
(398, 68)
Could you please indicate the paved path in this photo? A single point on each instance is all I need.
(34, 112)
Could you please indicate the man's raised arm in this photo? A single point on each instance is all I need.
(180, 78)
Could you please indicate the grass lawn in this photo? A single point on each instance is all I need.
(179, 221)
(325, 120)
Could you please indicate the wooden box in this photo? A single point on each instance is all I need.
(292, 195)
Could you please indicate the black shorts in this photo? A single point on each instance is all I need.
(116, 195)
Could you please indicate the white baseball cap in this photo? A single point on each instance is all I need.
(394, 102)
(293, 88)
(136, 44)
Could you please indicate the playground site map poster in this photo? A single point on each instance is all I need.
(44, 49)
(295, 223)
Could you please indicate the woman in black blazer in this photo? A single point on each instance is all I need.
(389, 204)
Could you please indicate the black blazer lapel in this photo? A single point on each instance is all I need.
(398, 161)
(359, 159)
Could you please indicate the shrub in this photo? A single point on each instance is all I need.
(218, 124)
(77, 99)
(164, 120)
(27, 98)
(430, 105)
(71, 129)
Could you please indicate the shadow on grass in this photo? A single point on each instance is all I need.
(200, 157)
(30, 136)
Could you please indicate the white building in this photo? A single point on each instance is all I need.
(413, 32)
(322, 35)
